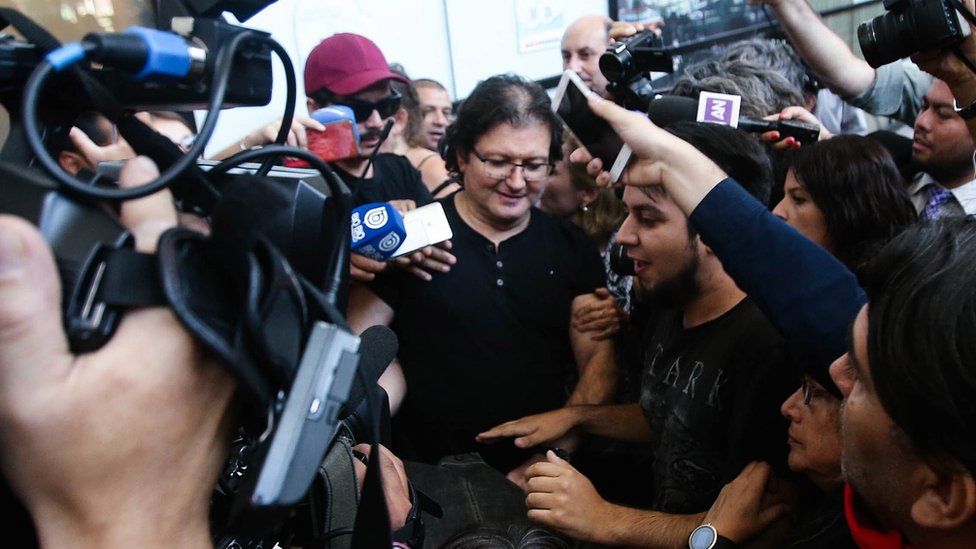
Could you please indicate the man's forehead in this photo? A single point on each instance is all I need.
(376, 91)
(654, 195)
(939, 94)
(433, 94)
(585, 33)
(857, 342)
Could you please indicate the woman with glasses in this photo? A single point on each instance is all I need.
(846, 195)
(490, 341)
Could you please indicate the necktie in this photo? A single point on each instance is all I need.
(935, 208)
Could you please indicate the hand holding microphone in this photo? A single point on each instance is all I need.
(379, 233)
(792, 127)
(791, 116)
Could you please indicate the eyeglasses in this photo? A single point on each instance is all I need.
(502, 169)
(363, 109)
(809, 390)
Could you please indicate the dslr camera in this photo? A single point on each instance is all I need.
(911, 26)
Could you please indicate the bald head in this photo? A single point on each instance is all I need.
(583, 43)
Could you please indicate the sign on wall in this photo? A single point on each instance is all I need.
(539, 24)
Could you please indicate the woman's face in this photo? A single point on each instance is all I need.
(799, 211)
(814, 434)
(561, 198)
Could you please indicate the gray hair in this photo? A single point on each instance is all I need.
(778, 55)
(764, 91)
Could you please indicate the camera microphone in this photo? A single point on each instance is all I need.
(724, 109)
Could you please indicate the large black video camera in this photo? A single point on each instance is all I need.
(263, 291)
(912, 26)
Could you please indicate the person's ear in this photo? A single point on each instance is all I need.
(311, 105)
(72, 162)
(400, 122)
(947, 501)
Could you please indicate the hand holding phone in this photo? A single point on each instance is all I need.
(571, 105)
(339, 139)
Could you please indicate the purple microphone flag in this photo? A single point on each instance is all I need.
(719, 108)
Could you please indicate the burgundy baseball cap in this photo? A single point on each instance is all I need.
(345, 64)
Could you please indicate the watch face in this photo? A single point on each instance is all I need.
(703, 537)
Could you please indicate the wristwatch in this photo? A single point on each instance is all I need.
(706, 537)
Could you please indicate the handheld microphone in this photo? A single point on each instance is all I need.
(724, 109)
(377, 230)
(337, 113)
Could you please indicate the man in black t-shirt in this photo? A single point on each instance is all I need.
(714, 377)
(348, 69)
(491, 340)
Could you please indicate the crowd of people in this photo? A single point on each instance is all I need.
(790, 363)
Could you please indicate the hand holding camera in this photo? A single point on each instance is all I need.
(68, 422)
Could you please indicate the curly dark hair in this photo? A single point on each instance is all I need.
(501, 99)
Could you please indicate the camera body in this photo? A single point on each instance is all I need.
(908, 27)
(626, 65)
(263, 292)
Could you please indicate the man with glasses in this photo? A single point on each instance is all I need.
(491, 341)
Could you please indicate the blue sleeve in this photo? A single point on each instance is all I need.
(802, 289)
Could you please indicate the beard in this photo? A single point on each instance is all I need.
(677, 291)
(878, 483)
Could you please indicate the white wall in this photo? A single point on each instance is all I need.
(457, 42)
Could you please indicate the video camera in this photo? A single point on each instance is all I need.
(626, 65)
(912, 26)
(264, 291)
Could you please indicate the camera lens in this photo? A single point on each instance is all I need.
(614, 63)
(887, 38)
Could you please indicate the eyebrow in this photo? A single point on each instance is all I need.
(650, 208)
(506, 157)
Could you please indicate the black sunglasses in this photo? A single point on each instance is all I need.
(361, 108)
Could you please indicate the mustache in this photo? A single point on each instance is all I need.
(370, 134)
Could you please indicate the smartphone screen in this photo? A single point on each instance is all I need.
(593, 132)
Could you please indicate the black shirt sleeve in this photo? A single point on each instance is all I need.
(388, 285)
(411, 184)
(757, 430)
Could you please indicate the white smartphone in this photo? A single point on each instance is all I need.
(425, 226)
(570, 105)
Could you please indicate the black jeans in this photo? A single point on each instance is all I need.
(470, 492)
